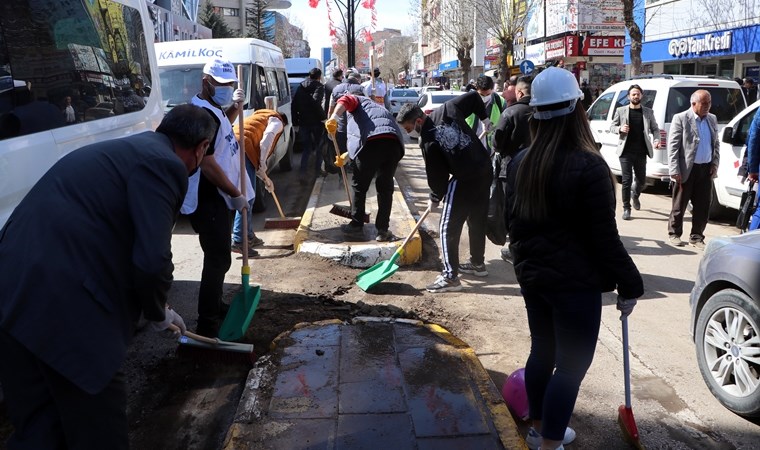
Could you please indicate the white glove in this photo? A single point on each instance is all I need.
(625, 306)
(239, 202)
(172, 318)
(238, 96)
(432, 204)
(268, 184)
(487, 125)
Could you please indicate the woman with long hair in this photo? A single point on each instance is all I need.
(567, 252)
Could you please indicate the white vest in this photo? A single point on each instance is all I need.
(226, 153)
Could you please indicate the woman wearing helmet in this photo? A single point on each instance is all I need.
(567, 251)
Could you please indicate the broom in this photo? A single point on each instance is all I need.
(283, 222)
(339, 210)
(202, 348)
(625, 414)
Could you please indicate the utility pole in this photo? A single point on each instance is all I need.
(351, 38)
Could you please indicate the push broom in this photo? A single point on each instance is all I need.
(339, 210)
(625, 414)
(283, 222)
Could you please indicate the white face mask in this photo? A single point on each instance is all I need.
(485, 98)
(415, 133)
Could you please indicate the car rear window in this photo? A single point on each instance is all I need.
(442, 98)
(403, 93)
(726, 102)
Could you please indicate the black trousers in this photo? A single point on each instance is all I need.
(698, 189)
(212, 220)
(465, 201)
(50, 412)
(379, 157)
(630, 165)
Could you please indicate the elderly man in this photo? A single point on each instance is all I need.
(693, 149)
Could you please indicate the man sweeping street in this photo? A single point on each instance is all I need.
(375, 145)
(84, 255)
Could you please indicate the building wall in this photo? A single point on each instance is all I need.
(170, 25)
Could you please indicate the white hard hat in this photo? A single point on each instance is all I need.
(552, 86)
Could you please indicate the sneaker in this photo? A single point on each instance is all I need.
(533, 440)
(443, 284)
(237, 247)
(385, 236)
(636, 202)
(352, 228)
(626, 214)
(255, 241)
(675, 240)
(479, 270)
(699, 244)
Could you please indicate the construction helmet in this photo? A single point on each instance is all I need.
(554, 86)
(515, 394)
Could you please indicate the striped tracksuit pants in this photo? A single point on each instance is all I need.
(465, 201)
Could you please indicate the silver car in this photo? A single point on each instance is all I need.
(725, 321)
(401, 96)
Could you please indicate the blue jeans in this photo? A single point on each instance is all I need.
(564, 327)
(311, 140)
(237, 227)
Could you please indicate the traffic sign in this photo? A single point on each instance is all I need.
(527, 67)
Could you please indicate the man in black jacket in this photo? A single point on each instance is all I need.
(64, 331)
(308, 114)
(337, 78)
(458, 168)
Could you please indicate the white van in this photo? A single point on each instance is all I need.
(666, 95)
(180, 68)
(67, 79)
(298, 70)
(733, 145)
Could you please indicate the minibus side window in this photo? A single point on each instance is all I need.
(272, 83)
(282, 80)
(63, 63)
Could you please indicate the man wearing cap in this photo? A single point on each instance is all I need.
(213, 193)
(375, 89)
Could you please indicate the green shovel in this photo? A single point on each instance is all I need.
(384, 269)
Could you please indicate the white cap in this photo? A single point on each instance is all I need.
(221, 70)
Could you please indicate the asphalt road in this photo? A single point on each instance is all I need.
(673, 407)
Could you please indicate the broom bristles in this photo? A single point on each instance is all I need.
(343, 211)
(282, 223)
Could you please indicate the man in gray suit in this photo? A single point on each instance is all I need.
(634, 123)
(693, 151)
(83, 256)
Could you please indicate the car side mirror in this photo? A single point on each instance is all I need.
(728, 136)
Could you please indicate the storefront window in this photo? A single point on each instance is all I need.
(688, 69)
(672, 69)
(726, 68)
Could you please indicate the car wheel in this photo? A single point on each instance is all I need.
(728, 350)
(716, 209)
(285, 163)
(258, 203)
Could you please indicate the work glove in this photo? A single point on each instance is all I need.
(341, 160)
(331, 125)
(239, 203)
(433, 204)
(238, 96)
(625, 306)
(171, 318)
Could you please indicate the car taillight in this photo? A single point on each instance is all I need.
(427, 111)
(663, 138)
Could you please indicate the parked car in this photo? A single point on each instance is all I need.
(733, 145)
(725, 321)
(400, 96)
(431, 100)
(426, 89)
(666, 95)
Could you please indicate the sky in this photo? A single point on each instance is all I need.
(313, 21)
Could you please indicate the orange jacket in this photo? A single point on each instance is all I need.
(254, 126)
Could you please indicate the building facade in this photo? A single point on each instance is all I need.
(175, 20)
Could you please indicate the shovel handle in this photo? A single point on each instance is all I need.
(194, 336)
(342, 171)
(414, 230)
(243, 173)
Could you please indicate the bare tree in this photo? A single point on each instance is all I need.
(287, 36)
(629, 6)
(453, 24)
(256, 18)
(505, 20)
(397, 55)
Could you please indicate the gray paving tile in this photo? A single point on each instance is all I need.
(367, 352)
(407, 336)
(325, 335)
(479, 442)
(440, 405)
(374, 396)
(298, 434)
(374, 431)
(307, 385)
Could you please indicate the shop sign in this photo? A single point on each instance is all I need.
(450, 65)
(555, 48)
(571, 45)
(518, 52)
(694, 45)
(603, 45)
(535, 53)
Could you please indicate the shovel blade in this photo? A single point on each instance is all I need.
(241, 311)
(376, 274)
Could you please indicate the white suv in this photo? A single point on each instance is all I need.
(667, 95)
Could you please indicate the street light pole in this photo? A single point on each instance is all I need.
(351, 38)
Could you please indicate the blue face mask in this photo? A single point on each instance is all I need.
(222, 95)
